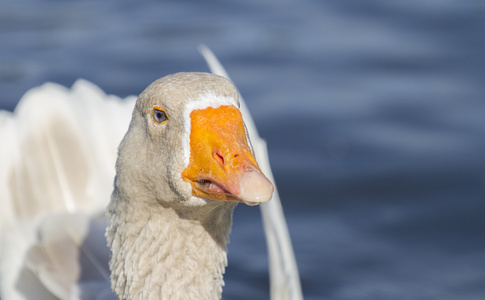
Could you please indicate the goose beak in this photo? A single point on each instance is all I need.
(221, 165)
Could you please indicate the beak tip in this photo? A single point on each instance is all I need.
(255, 188)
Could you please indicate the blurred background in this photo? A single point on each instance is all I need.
(374, 114)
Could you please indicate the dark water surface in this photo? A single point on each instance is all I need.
(374, 113)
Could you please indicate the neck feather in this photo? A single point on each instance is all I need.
(162, 253)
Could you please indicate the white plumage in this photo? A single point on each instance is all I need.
(57, 156)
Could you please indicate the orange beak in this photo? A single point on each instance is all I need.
(221, 165)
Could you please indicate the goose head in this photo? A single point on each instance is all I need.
(187, 145)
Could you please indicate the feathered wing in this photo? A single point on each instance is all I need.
(58, 150)
(70, 249)
(57, 155)
(284, 278)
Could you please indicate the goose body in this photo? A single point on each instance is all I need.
(183, 164)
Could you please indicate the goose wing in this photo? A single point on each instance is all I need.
(57, 158)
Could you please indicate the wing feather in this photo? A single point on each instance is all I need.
(57, 155)
(70, 250)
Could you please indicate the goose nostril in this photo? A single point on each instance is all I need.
(217, 156)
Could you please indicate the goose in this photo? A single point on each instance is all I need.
(188, 157)
(182, 165)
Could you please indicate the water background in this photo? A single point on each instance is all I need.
(374, 114)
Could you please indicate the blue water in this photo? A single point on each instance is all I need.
(374, 113)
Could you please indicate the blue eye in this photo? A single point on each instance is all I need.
(159, 115)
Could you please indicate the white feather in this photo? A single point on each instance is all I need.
(59, 158)
(69, 252)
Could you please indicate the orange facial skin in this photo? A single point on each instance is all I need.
(219, 153)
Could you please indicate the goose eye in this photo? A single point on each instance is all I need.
(159, 115)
